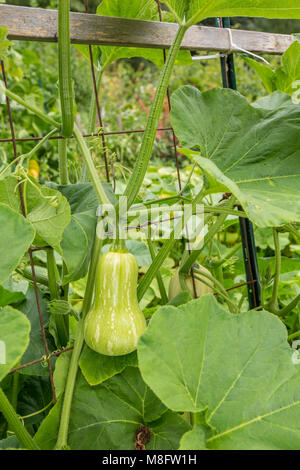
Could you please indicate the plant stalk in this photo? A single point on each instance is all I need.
(63, 161)
(140, 168)
(160, 282)
(15, 424)
(60, 321)
(103, 199)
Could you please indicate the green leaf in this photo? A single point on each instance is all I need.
(273, 101)
(135, 9)
(137, 248)
(10, 443)
(194, 439)
(14, 338)
(107, 416)
(239, 369)
(264, 72)
(286, 76)
(4, 43)
(249, 151)
(7, 297)
(49, 213)
(167, 431)
(19, 233)
(46, 209)
(97, 368)
(197, 10)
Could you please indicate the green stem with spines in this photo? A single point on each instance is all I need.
(103, 199)
(141, 165)
(60, 320)
(160, 282)
(288, 308)
(64, 68)
(92, 121)
(15, 424)
(63, 161)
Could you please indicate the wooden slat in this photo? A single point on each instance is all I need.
(36, 24)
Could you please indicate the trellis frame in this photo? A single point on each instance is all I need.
(35, 24)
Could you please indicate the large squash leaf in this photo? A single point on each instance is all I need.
(247, 150)
(197, 10)
(107, 416)
(19, 234)
(97, 368)
(237, 369)
(132, 9)
(14, 338)
(46, 209)
(135, 9)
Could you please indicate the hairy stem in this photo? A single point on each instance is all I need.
(143, 158)
(15, 424)
(103, 199)
(63, 161)
(160, 282)
(64, 68)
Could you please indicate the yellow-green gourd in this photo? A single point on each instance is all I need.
(115, 322)
(201, 289)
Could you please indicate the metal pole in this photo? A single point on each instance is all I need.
(246, 227)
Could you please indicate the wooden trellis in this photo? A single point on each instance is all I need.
(36, 24)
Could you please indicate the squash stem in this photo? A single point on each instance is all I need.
(92, 121)
(64, 67)
(15, 424)
(160, 282)
(62, 439)
(140, 168)
(61, 327)
(103, 199)
(63, 161)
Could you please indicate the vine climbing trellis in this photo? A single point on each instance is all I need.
(217, 40)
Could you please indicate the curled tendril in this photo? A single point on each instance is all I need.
(22, 174)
